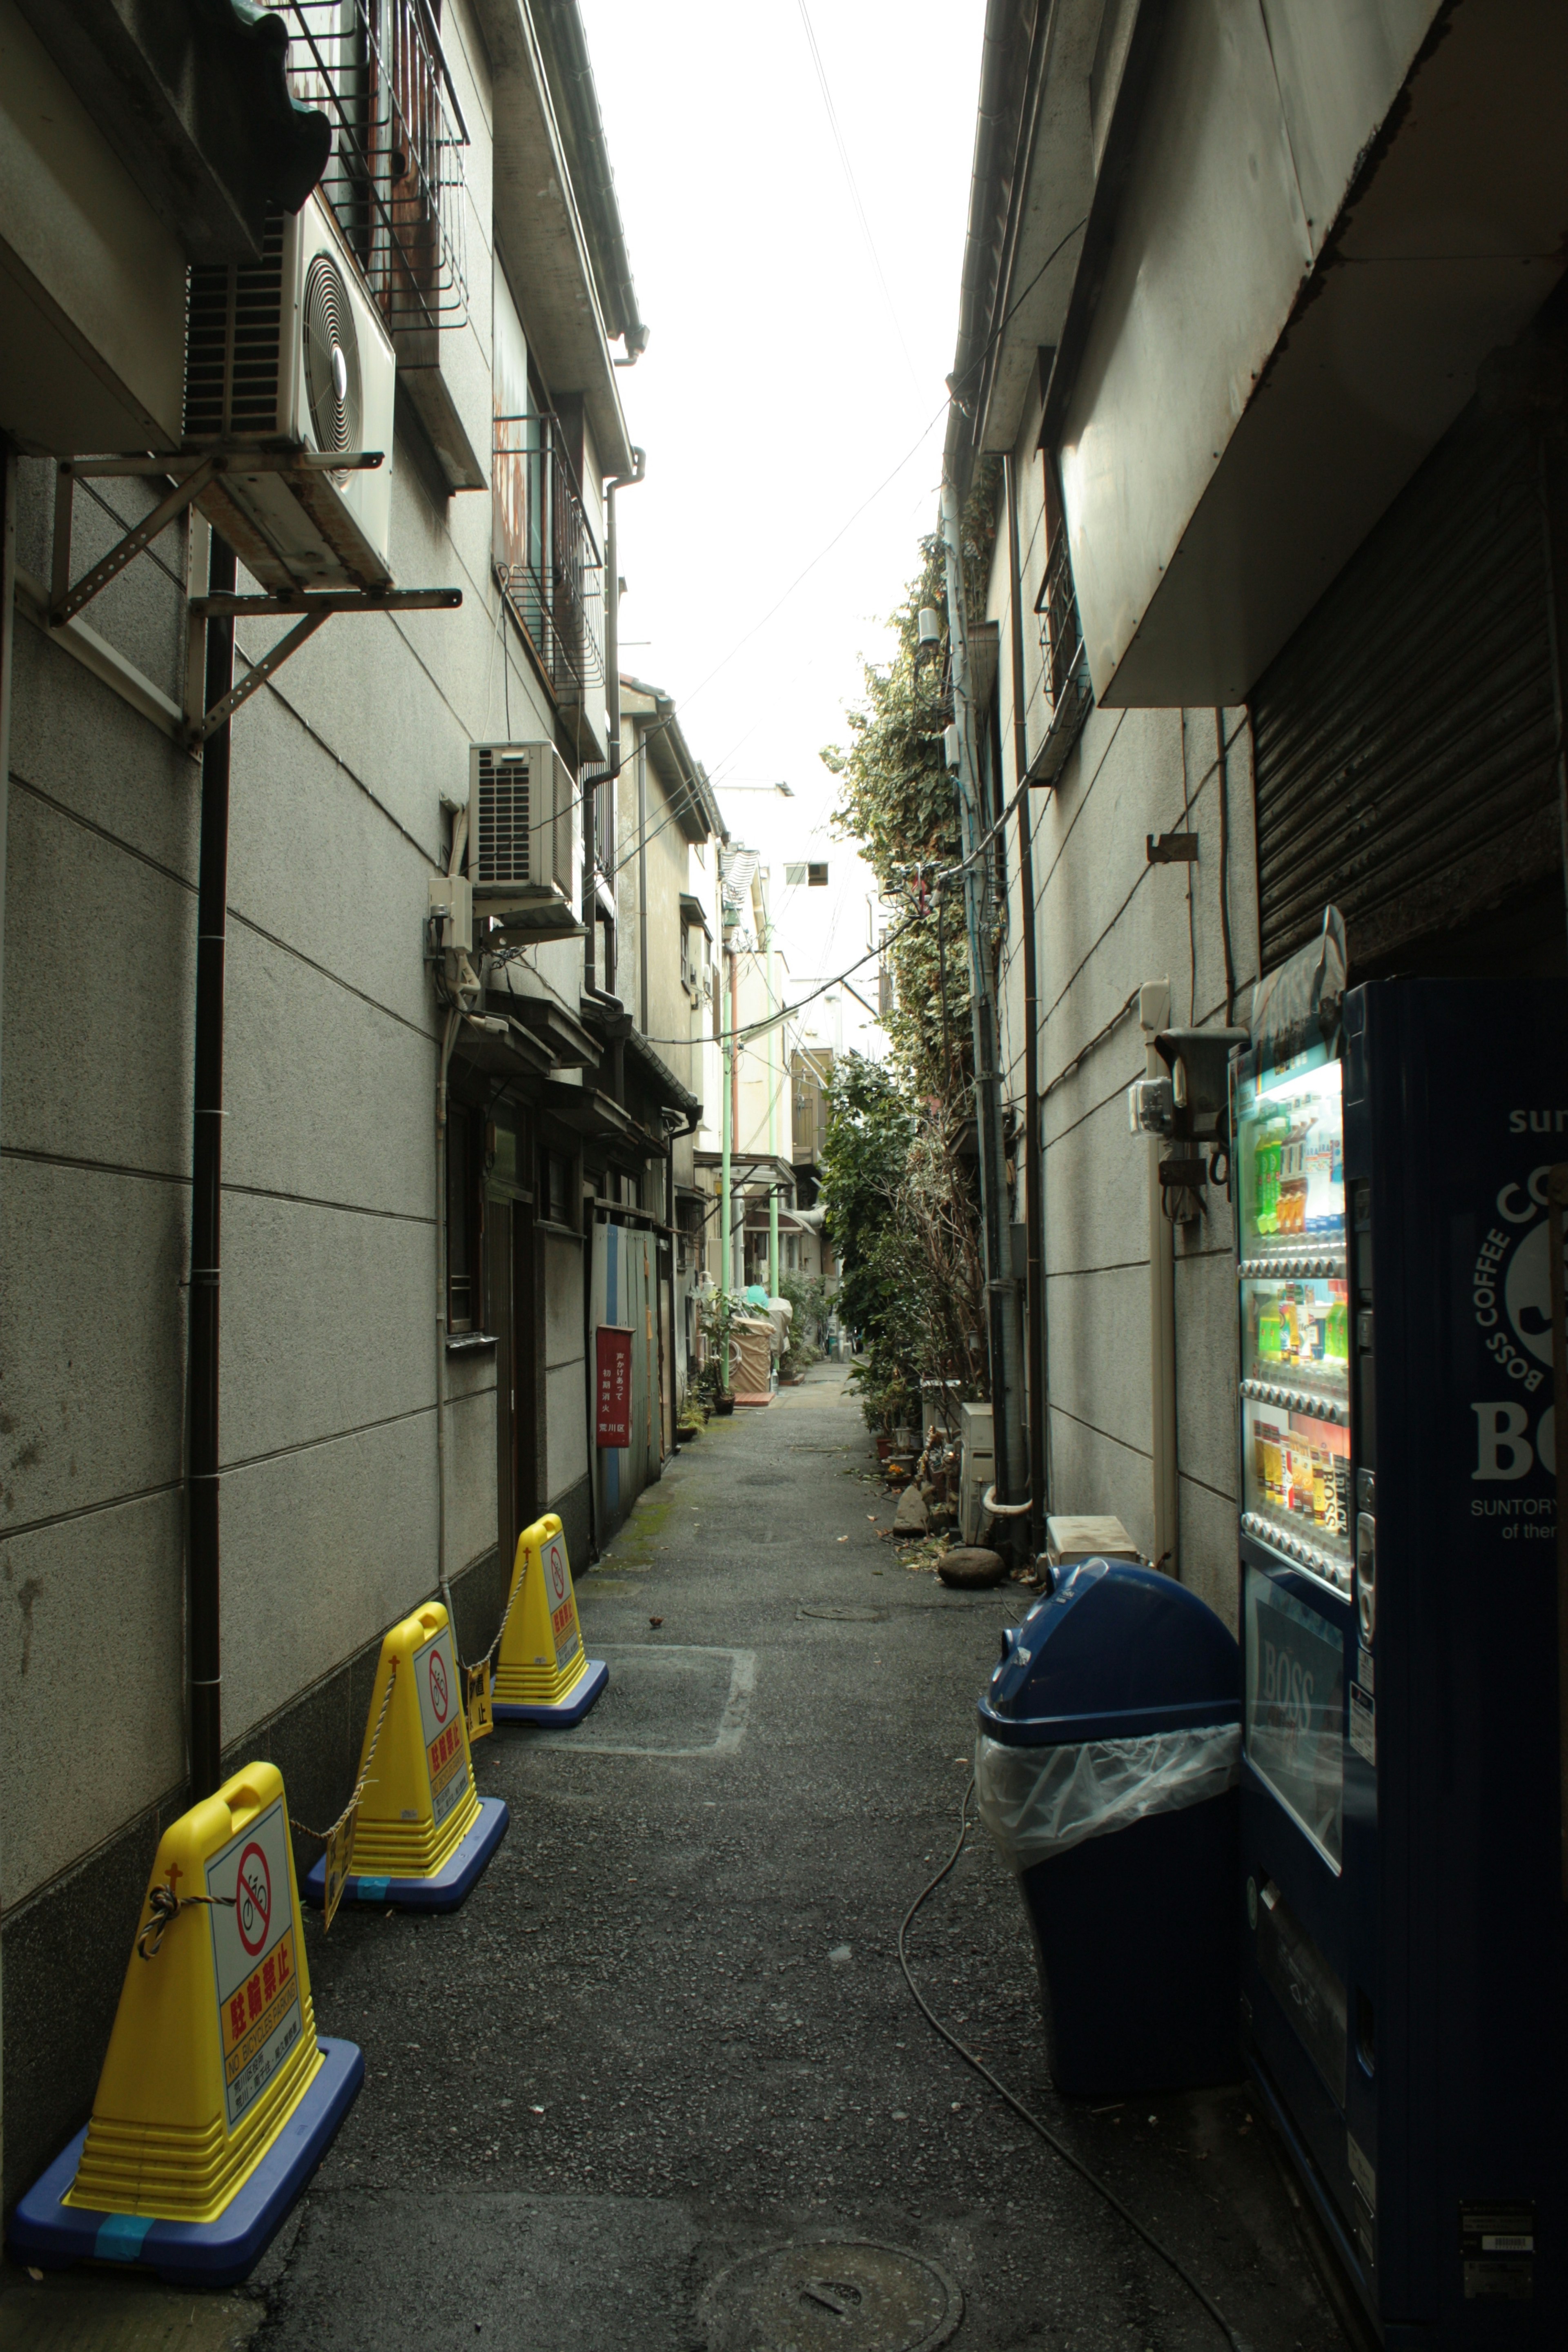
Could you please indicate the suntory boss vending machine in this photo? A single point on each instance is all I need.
(1404, 1956)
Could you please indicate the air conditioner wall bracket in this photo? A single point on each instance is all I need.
(313, 609)
(190, 471)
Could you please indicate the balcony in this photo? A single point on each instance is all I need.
(546, 559)
(394, 176)
(1069, 697)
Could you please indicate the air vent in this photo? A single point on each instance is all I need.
(524, 838)
(501, 848)
(253, 387)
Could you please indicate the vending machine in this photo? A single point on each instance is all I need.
(1406, 1933)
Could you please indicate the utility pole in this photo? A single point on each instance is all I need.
(1001, 1288)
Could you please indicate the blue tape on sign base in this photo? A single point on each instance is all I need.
(450, 1886)
(51, 2235)
(589, 1691)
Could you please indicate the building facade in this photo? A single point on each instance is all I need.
(1271, 436)
(446, 1142)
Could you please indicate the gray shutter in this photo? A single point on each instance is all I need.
(1404, 738)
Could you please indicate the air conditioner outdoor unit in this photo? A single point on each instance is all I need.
(523, 838)
(289, 355)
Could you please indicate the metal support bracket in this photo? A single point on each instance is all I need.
(313, 609)
(190, 471)
(1172, 848)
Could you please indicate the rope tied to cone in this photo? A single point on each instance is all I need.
(359, 1787)
(163, 1904)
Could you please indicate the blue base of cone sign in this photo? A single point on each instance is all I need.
(450, 1886)
(51, 2235)
(570, 1711)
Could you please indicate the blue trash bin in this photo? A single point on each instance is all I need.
(1106, 1770)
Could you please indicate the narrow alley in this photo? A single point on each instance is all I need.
(668, 2031)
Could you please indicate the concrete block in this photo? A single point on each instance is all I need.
(75, 738)
(98, 1058)
(562, 1300)
(471, 1463)
(1097, 1185)
(1099, 1353)
(313, 862)
(1092, 1473)
(325, 1547)
(327, 1096)
(91, 1681)
(1207, 1370)
(566, 1428)
(1208, 1545)
(93, 1327)
(329, 1322)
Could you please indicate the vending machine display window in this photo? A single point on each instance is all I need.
(1295, 1316)
(1295, 1720)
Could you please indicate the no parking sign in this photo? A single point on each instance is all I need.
(441, 1719)
(254, 1959)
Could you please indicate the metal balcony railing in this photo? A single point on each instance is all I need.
(546, 558)
(1069, 696)
(395, 178)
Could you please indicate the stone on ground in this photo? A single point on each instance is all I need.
(971, 1564)
(910, 1518)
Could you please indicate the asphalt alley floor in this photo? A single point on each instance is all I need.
(668, 2029)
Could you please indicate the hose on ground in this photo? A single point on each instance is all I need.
(1101, 2188)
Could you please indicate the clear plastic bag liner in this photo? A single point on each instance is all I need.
(1298, 1004)
(1040, 1801)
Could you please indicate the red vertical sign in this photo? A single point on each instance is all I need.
(613, 1374)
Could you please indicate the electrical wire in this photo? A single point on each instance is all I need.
(1101, 2188)
(854, 189)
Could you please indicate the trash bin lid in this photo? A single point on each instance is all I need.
(1115, 1652)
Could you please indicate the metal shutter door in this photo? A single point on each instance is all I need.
(1404, 738)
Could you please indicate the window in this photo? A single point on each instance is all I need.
(546, 558)
(463, 1221)
(395, 177)
(1065, 681)
(555, 1173)
(812, 874)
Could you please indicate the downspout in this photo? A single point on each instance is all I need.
(1006, 1432)
(773, 1127)
(1155, 1015)
(1037, 1358)
(8, 651)
(449, 1039)
(612, 689)
(202, 1554)
(642, 877)
(737, 1280)
(726, 1146)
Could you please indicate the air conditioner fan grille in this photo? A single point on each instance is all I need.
(502, 850)
(331, 358)
(232, 389)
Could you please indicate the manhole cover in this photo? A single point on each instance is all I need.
(848, 1615)
(765, 1479)
(860, 2296)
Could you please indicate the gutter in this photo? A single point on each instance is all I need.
(567, 51)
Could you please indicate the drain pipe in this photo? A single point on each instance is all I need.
(612, 690)
(1153, 1015)
(203, 1553)
(449, 1039)
(1000, 1288)
(1037, 1358)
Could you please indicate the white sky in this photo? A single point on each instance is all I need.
(779, 389)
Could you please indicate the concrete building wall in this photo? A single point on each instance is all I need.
(1106, 921)
(340, 768)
